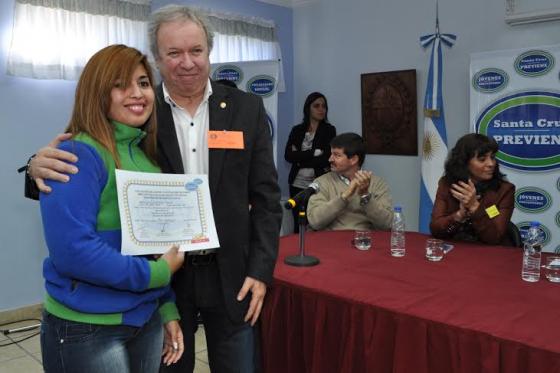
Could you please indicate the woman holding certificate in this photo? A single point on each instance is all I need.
(103, 310)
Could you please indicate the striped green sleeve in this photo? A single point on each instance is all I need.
(168, 312)
(160, 274)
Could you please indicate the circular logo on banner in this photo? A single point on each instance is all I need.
(524, 227)
(557, 250)
(534, 63)
(490, 80)
(261, 85)
(558, 184)
(557, 218)
(228, 72)
(270, 125)
(532, 200)
(526, 126)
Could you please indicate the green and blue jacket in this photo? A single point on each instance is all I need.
(86, 277)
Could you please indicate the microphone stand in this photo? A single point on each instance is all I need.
(301, 260)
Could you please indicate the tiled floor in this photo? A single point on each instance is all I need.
(25, 356)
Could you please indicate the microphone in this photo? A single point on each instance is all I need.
(302, 197)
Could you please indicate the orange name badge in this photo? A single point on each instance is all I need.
(225, 140)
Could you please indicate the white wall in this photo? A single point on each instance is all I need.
(336, 41)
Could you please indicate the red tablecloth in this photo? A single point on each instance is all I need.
(365, 311)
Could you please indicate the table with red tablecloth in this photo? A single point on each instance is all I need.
(365, 311)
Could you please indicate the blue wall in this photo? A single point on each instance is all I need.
(382, 35)
(326, 45)
(32, 112)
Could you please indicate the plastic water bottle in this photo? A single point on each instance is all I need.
(531, 270)
(397, 233)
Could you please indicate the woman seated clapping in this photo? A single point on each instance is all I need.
(474, 202)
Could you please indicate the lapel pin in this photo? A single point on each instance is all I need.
(223, 105)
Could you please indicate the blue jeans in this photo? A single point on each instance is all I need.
(68, 346)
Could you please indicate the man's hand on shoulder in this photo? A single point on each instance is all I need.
(258, 291)
(51, 163)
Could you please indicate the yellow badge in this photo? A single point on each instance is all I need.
(492, 211)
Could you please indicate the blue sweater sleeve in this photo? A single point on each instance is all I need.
(76, 249)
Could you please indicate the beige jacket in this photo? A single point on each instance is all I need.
(327, 210)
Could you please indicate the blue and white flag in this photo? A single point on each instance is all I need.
(434, 144)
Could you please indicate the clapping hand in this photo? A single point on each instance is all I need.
(359, 184)
(363, 179)
(465, 193)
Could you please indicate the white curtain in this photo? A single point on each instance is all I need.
(233, 48)
(53, 39)
(240, 38)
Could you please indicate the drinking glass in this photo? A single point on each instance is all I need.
(362, 240)
(552, 268)
(434, 249)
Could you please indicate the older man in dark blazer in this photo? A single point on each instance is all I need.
(245, 199)
(243, 186)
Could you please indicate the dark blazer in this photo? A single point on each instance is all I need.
(305, 159)
(479, 227)
(238, 178)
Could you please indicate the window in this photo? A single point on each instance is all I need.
(239, 38)
(53, 39)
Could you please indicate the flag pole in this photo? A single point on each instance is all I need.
(437, 18)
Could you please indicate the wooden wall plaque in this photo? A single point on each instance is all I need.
(389, 118)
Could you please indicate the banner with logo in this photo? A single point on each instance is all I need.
(259, 78)
(515, 98)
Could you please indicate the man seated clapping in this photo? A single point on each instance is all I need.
(349, 197)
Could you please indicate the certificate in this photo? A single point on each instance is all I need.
(160, 210)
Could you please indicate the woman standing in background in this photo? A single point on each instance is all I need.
(308, 147)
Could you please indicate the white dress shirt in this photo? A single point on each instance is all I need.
(192, 132)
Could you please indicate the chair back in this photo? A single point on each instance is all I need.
(514, 235)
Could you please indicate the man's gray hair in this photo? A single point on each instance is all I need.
(173, 13)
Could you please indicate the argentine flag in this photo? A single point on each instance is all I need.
(434, 144)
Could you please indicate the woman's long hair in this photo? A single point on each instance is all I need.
(466, 148)
(115, 63)
(307, 108)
